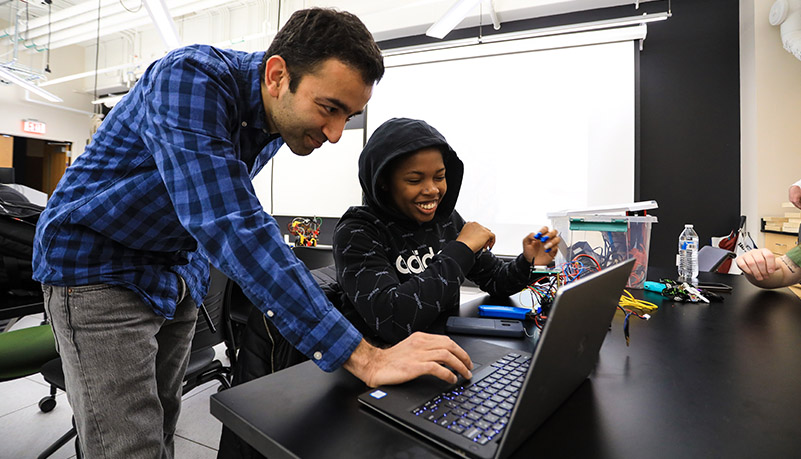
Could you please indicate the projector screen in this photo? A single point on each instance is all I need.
(538, 131)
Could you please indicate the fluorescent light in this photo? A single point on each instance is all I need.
(164, 24)
(496, 24)
(451, 18)
(8, 75)
(77, 24)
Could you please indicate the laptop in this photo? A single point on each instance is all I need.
(512, 392)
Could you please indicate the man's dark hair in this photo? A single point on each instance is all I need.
(314, 35)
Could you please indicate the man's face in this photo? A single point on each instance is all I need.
(417, 184)
(320, 106)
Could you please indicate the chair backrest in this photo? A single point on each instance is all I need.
(710, 257)
(314, 257)
(204, 337)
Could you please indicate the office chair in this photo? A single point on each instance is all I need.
(202, 367)
(23, 351)
(239, 306)
(711, 257)
(236, 309)
(314, 257)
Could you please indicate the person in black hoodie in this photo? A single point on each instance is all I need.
(402, 256)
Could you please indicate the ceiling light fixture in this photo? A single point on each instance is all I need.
(157, 9)
(456, 14)
(78, 23)
(8, 75)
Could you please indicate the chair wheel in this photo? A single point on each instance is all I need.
(47, 404)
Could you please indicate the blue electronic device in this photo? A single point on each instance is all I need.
(503, 312)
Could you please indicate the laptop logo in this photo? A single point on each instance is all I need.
(378, 394)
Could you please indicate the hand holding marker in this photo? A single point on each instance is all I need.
(542, 239)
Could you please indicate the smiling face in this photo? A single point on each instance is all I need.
(417, 184)
(317, 111)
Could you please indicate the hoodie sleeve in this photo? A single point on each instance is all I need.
(498, 277)
(493, 275)
(392, 308)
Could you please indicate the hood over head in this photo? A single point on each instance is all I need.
(398, 137)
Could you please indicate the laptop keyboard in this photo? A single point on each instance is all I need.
(480, 410)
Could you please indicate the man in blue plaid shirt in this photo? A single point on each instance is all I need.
(123, 248)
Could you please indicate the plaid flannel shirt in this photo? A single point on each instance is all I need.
(165, 188)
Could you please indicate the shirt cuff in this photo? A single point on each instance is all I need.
(338, 341)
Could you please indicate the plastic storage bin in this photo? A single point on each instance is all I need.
(607, 238)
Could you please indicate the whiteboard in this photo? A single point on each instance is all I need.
(538, 131)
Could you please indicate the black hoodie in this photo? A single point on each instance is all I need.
(400, 276)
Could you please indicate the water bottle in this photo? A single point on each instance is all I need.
(688, 255)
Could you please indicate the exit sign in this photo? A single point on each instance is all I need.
(34, 127)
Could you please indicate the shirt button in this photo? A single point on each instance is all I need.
(244, 124)
(270, 313)
(318, 355)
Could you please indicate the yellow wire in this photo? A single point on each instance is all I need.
(628, 300)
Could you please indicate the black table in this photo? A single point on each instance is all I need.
(717, 380)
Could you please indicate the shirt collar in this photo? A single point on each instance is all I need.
(250, 83)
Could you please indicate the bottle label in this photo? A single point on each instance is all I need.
(687, 245)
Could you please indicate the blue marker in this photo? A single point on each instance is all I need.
(542, 239)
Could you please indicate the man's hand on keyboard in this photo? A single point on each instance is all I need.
(417, 355)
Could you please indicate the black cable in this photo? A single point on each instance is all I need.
(129, 10)
(49, 22)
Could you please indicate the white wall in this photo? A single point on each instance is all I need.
(770, 116)
(62, 124)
